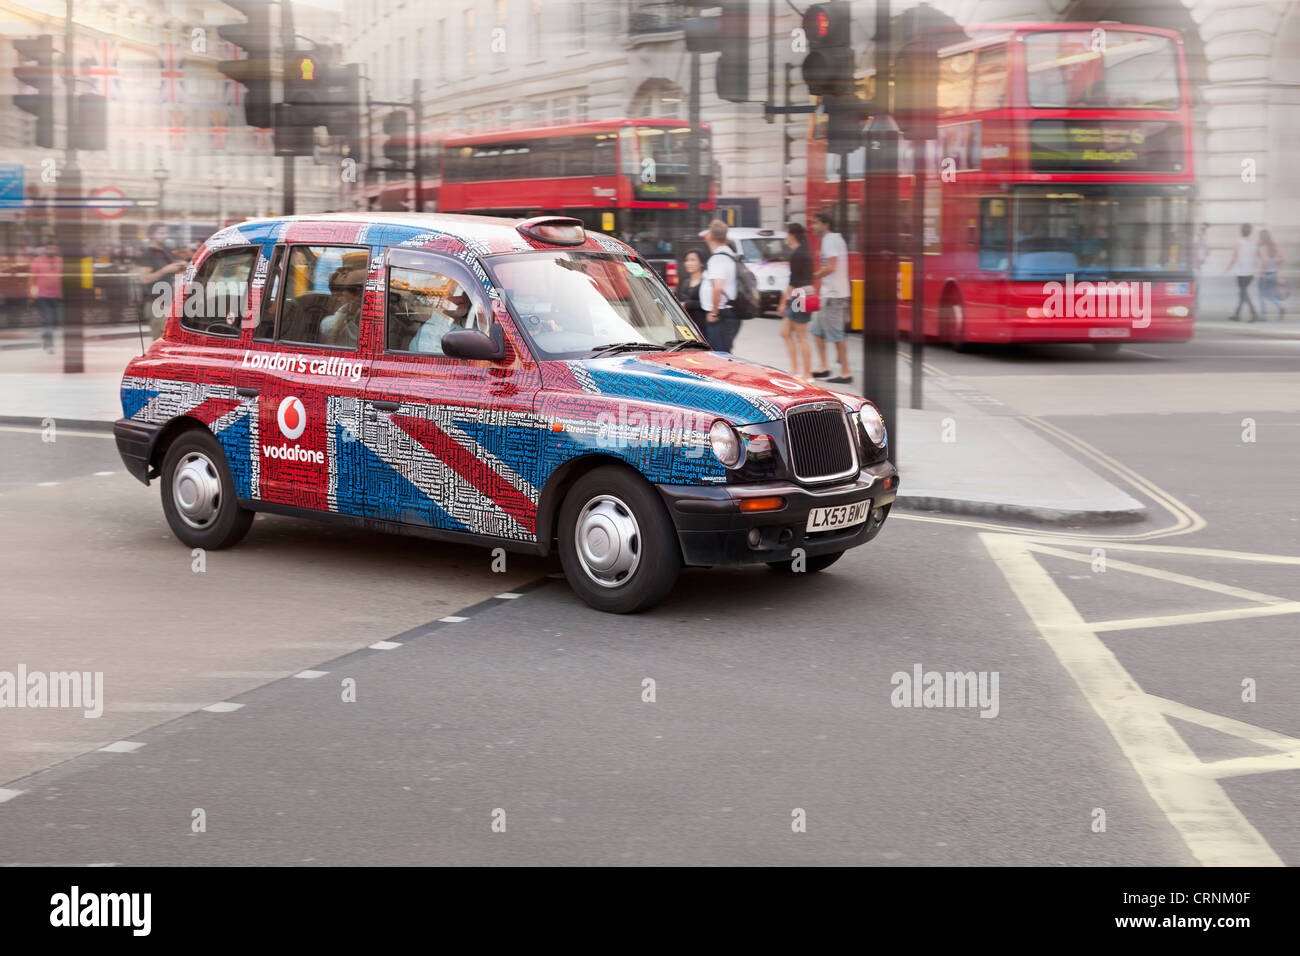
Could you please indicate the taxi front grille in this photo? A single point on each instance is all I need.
(821, 447)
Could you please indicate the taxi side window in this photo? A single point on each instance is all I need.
(265, 330)
(323, 290)
(424, 305)
(217, 299)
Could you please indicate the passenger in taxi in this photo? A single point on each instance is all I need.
(342, 326)
(453, 313)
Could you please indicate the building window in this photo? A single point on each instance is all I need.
(581, 112)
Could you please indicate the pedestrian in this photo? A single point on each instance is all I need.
(688, 291)
(1271, 287)
(47, 291)
(1202, 256)
(157, 263)
(793, 307)
(1245, 262)
(718, 290)
(830, 322)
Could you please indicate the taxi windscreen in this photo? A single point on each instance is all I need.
(570, 303)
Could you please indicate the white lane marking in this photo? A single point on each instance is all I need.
(508, 596)
(310, 675)
(1195, 617)
(7, 795)
(1214, 829)
(384, 645)
(1260, 736)
(122, 747)
(452, 619)
(1241, 766)
(104, 474)
(222, 707)
(47, 484)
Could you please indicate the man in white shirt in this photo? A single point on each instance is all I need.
(830, 322)
(718, 290)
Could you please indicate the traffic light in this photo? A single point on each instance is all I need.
(828, 67)
(343, 105)
(91, 129)
(916, 69)
(297, 117)
(397, 139)
(727, 34)
(845, 116)
(37, 71)
(256, 72)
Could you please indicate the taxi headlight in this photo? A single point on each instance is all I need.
(727, 447)
(872, 424)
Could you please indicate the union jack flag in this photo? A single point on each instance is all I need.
(218, 129)
(101, 70)
(171, 73)
(176, 131)
(232, 91)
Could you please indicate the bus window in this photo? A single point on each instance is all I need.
(991, 78)
(993, 234)
(955, 75)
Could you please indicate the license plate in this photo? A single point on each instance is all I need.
(837, 516)
(1110, 332)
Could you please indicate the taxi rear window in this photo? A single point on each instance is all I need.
(216, 301)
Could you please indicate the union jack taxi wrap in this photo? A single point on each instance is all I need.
(406, 441)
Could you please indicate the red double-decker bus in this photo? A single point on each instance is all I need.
(1059, 193)
(626, 177)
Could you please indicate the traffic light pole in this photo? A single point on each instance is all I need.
(693, 205)
(879, 257)
(70, 217)
(918, 270)
(288, 43)
(417, 157)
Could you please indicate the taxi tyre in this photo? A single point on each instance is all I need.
(818, 562)
(601, 502)
(209, 515)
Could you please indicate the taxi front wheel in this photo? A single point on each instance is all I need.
(616, 542)
(198, 494)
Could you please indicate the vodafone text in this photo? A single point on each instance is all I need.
(294, 453)
(102, 909)
(304, 364)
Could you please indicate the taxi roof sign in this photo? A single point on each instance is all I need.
(556, 230)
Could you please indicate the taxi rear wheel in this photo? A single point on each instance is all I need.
(617, 544)
(818, 562)
(198, 494)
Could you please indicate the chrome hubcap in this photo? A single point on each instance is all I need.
(196, 490)
(608, 541)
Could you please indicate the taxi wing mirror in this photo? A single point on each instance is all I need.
(473, 344)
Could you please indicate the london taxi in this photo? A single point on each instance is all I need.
(519, 384)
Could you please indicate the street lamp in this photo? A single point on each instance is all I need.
(160, 175)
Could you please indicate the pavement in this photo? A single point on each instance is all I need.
(965, 452)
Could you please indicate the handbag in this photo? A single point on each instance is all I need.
(812, 302)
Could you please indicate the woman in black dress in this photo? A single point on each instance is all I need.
(794, 325)
(688, 289)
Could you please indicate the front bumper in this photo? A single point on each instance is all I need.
(713, 530)
(135, 441)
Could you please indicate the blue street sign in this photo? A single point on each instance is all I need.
(11, 185)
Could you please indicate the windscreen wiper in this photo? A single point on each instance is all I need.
(676, 345)
(625, 347)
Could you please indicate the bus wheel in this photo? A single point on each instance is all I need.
(1107, 349)
(953, 318)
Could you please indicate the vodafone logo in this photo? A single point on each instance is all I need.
(292, 417)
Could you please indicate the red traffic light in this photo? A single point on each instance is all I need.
(822, 24)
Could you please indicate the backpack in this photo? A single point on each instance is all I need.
(745, 304)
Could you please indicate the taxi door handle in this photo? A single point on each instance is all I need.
(387, 406)
(246, 392)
